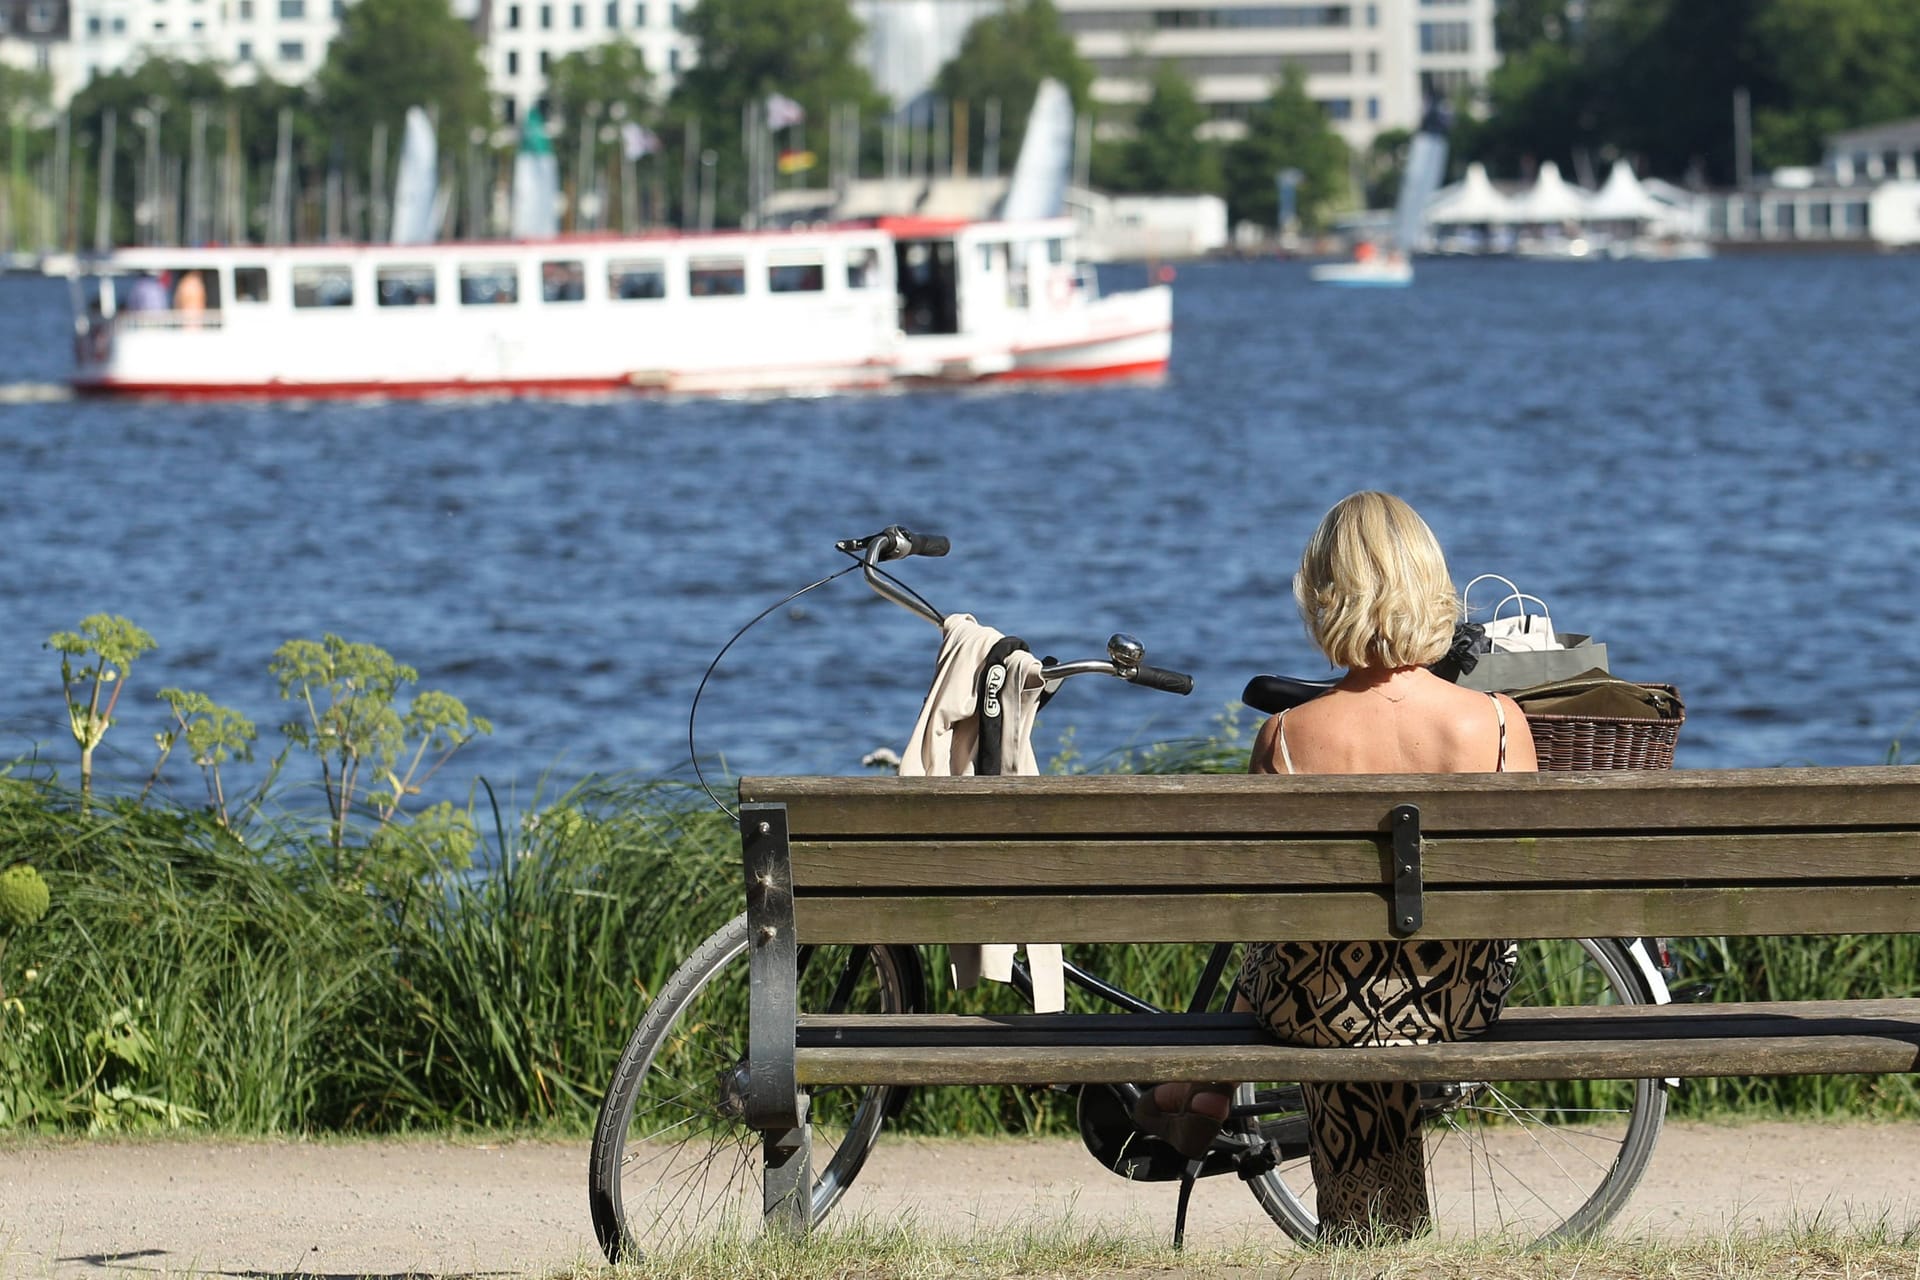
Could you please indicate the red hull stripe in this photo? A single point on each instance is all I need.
(537, 387)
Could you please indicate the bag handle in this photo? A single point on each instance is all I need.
(1466, 607)
(1526, 619)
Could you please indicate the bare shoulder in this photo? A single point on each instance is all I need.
(1522, 756)
(1265, 747)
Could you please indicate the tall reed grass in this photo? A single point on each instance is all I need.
(258, 980)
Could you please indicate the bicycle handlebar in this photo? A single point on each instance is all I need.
(1124, 653)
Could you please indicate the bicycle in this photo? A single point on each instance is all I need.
(1546, 1161)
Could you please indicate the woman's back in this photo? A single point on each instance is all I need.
(1406, 721)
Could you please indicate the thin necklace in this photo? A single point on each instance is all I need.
(1374, 688)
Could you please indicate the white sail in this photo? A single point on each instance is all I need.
(1039, 186)
(536, 183)
(1426, 166)
(413, 193)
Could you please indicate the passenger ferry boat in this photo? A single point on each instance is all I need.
(889, 303)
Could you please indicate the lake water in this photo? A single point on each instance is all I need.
(1710, 466)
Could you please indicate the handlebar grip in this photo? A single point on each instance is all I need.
(927, 544)
(1160, 678)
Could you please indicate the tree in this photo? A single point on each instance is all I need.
(1839, 64)
(805, 50)
(1003, 58)
(1165, 154)
(1287, 131)
(395, 54)
(23, 94)
(608, 80)
(1383, 165)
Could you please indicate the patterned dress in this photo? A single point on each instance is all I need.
(1365, 1146)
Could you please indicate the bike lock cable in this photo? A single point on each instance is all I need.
(692, 752)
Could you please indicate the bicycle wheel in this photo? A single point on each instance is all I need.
(1537, 1161)
(671, 1155)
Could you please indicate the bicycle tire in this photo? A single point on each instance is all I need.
(1497, 1163)
(671, 1156)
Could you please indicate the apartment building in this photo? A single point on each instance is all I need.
(34, 35)
(1370, 64)
(526, 37)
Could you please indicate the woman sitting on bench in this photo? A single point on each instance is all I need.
(1374, 591)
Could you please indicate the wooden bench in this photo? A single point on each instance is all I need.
(1133, 859)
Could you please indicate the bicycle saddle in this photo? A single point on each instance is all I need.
(1274, 694)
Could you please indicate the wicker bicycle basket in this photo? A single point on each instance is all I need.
(1569, 743)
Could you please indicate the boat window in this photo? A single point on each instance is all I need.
(1056, 251)
(193, 290)
(986, 256)
(628, 280)
(797, 274)
(717, 277)
(249, 284)
(403, 286)
(863, 268)
(329, 286)
(489, 284)
(563, 280)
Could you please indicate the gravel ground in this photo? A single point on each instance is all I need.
(391, 1208)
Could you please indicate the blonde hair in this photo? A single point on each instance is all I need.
(1373, 586)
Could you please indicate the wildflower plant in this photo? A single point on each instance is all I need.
(370, 751)
(93, 665)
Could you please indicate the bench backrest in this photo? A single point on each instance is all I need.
(1121, 858)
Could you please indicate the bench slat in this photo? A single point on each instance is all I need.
(1626, 800)
(1090, 916)
(1605, 1042)
(1217, 860)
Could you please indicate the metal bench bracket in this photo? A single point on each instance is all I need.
(1409, 908)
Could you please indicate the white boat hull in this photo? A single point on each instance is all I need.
(800, 313)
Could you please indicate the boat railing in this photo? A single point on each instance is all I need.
(210, 319)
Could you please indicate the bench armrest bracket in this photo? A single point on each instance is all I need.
(1408, 906)
(773, 1099)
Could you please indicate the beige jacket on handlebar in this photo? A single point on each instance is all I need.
(945, 740)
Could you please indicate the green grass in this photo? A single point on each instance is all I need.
(261, 981)
(891, 1250)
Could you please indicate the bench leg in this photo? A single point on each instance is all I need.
(788, 1186)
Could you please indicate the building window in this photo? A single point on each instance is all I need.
(119, 26)
(160, 28)
(244, 51)
(330, 286)
(579, 17)
(673, 60)
(1373, 62)
(639, 15)
(513, 62)
(630, 281)
(546, 17)
(1446, 37)
(199, 25)
(673, 16)
(509, 110)
(513, 17)
(1337, 108)
(1373, 108)
(93, 24)
(1373, 15)
(292, 51)
(293, 8)
(246, 10)
(546, 60)
(613, 15)
(339, 9)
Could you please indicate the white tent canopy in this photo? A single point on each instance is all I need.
(1473, 200)
(1623, 199)
(1550, 199)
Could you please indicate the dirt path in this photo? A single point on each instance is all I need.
(436, 1208)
